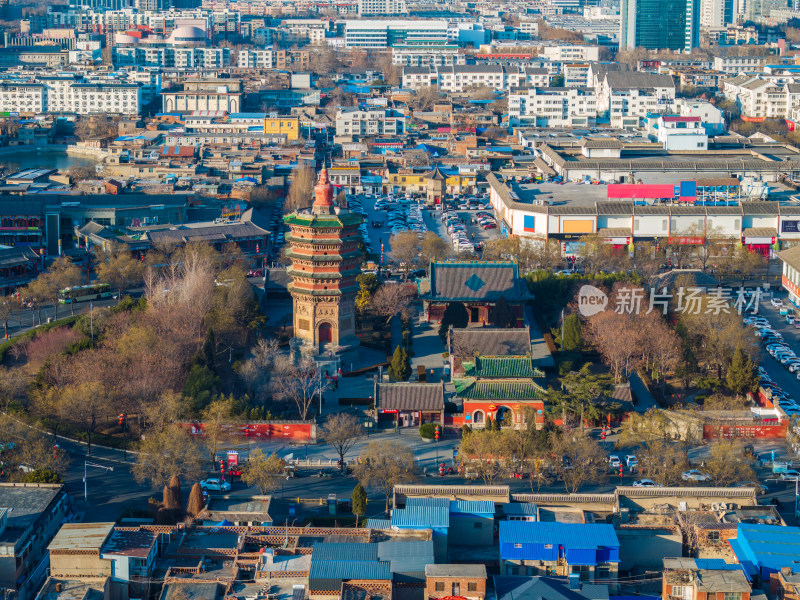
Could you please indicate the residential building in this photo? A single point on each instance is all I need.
(590, 550)
(754, 546)
(760, 97)
(461, 78)
(703, 579)
(741, 64)
(552, 107)
(547, 588)
(465, 581)
(564, 52)
(101, 98)
(716, 13)
(30, 516)
(368, 8)
(288, 126)
(659, 24)
(790, 278)
(423, 54)
(371, 122)
(28, 98)
(681, 133)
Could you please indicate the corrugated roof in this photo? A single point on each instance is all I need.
(520, 508)
(406, 556)
(329, 574)
(428, 503)
(422, 517)
(569, 535)
(353, 551)
(472, 507)
(378, 524)
(81, 536)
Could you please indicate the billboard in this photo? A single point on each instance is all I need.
(632, 190)
(792, 226)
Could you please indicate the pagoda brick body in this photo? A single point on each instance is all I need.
(326, 258)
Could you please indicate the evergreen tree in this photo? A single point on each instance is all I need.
(489, 424)
(406, 364)
(496, 425)
(741, 376)
(573, 333)
(455, 315)
(359, 501)
(400, 366)
(503, 315)
(210, 350)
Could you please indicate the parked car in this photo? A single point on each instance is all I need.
(614, 461)
(789, 476)
(695, 475)
(776, 302)
(215, 485)
(646, 483)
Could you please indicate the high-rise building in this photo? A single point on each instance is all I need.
(659, 24)
(716, 13)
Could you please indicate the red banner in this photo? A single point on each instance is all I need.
(789, 285)
(687, 240)
(640, 190)
(298, 431)
(711, 432)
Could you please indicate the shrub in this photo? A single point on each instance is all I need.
(427, 431)
(564, 367)
(465, 430)
(49, 343)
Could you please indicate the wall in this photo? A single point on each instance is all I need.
(645, 549)
(711, 432)
(470, 530)
(297, 431)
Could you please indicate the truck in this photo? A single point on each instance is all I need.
(781, 466)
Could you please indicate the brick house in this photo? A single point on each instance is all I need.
(785, 585)
(466, 581)
(703, 579)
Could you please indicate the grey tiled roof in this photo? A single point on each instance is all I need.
(409, 396)
(476, 281)
(637, 79)
(491, 342)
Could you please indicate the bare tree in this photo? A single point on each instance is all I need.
(263, 471)
(119, 269)
(384, 465)
(301, 189)
(342, 431)
(579, 459)
(433, 248)
(168, 452)
(405, 249)
(298, 381)
(392, 299)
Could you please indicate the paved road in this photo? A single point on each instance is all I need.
(26, 319)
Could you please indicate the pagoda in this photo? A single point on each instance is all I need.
(326, 258)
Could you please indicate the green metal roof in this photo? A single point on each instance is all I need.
(471, 389)
(501, 367)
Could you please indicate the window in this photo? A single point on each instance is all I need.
(472, 586)
(439, 586)
(713, 536)
(603, 572)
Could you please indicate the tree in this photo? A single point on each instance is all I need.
(196, 503)
(433, 248)
(455, 315)
(209, 353)
(341, 431)
(486, 453)
(579, 459)
(573, 333)
(383, 465)
(404, 250)
(216, 418)
(85, 403)
(301, 189)
(400, 365)
(167, 452)
(742, 376)
(263, 471)
(61, 274)
(358, 501)
(119, 269)
(727, 464)
(391, 299)
(503, 316)
(297, 381)
(8, 305)
(425, 98)
(37, 292)
(367, 285)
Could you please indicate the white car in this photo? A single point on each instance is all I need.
(631, 460)
(215, 485)
(789, 476)
(646, 483)
(776, 302)
(695, 475)
(614, 461)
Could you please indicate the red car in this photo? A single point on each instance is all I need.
(490, 226)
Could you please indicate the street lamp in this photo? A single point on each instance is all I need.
(87, 464)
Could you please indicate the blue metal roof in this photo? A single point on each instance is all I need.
(407, 556)
(520, 508)
(428, 502)
(326, 571)
(472, 507)
(422, 517)
(378, 524)
(767, 548)
(246, 115)
(353, 551)
(578, 543)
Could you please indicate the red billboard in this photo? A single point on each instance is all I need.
(297, 431)
(772, 431)
(640, 191)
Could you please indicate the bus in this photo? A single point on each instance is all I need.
(81, 293)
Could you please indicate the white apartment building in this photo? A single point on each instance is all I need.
(256, 59)
(740, 64)
(368, 8)
(762, 97)
(460, 78)
(626, 108)
(575, 74)
(97, 98)
(181, 58)
(355, 122)
(711, 118)
(23, 97)
(425, 55)
(529, 30)
(571, 52)
(552, 107)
